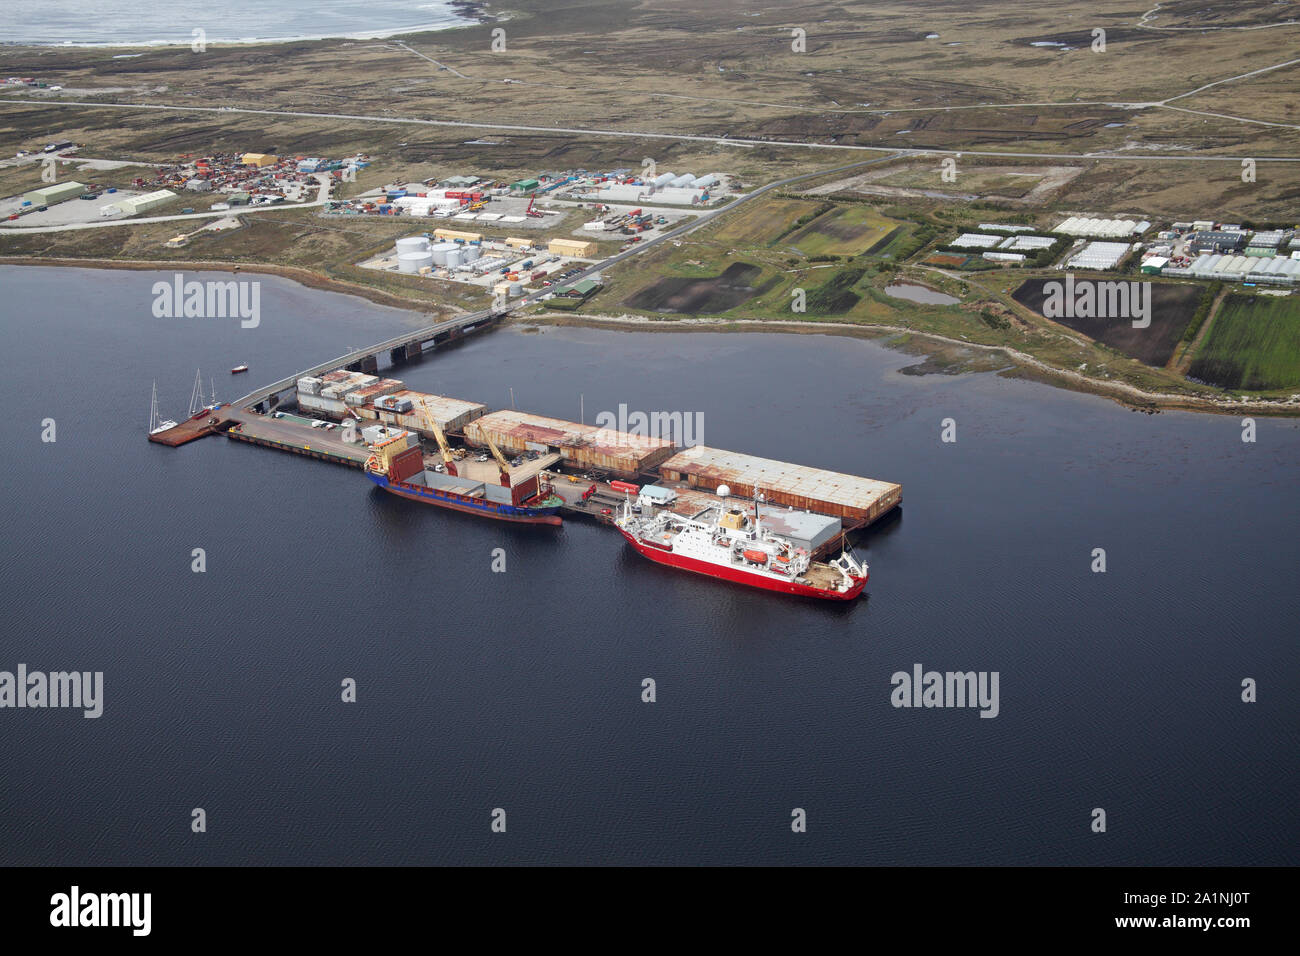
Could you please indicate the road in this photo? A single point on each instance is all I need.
(678, 137)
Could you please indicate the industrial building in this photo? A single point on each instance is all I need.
(852, 499)
(580, 446)
(524, 186)
(1207, 240)
(145, 203)
(57, 192)
(1102, 228)
(573, 248)
(1099, 255)
(258, 159)
(1266, 244)
(451, 235)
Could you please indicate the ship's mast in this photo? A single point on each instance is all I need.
(153, 408)
(196, 394)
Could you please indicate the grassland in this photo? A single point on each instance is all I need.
(1253, 345)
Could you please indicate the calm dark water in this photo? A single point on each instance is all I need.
(522, 690)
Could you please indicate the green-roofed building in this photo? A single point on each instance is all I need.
(56, 192)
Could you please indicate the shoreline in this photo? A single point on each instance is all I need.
(1026, 365)
(465, 13)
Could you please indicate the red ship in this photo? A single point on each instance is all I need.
(725, 543)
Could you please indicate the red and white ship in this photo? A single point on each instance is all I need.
(726, 543)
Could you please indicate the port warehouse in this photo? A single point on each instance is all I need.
(581, 446)
(852, 501)
(856, 501)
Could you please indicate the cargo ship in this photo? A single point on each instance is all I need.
(397, 466)
(724, 542)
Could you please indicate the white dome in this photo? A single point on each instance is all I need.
(724, 491)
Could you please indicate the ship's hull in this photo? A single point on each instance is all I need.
(665, 556)
(520, 514)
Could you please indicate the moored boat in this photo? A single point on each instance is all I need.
(724, 542)
(397, 466)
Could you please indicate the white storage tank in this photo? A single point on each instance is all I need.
(470, 252)
(413, 262)
(412, 244)
(453, 258)
(439, 251)
(516, 288)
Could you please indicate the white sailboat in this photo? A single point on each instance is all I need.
(157, 424)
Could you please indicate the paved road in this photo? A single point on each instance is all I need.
(681, 137)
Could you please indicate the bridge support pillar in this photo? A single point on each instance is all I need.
(368, 364)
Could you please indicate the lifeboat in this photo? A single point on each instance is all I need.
(758, 557)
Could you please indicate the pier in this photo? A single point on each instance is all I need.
(813, 506)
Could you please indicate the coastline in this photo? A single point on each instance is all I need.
(462, 14)
(918, 342)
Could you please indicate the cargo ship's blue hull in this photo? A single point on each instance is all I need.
(489, 509)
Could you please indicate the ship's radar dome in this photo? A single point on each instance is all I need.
(724, 491)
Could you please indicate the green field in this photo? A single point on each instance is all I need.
(842, 231)
(763, 221)
(1254, 344)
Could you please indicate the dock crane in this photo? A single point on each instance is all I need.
(502, 464)
(448, 459)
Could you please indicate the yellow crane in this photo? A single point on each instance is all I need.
(449, 460)
(502, 464)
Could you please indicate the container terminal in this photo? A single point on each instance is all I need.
(341, 415)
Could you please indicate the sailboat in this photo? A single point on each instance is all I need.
(157, 424)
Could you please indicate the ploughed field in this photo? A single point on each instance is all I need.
(706, 296)
(1172, 307)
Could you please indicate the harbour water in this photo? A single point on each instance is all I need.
(522, 690)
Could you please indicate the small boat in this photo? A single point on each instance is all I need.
(158, 424)
(238, 368)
